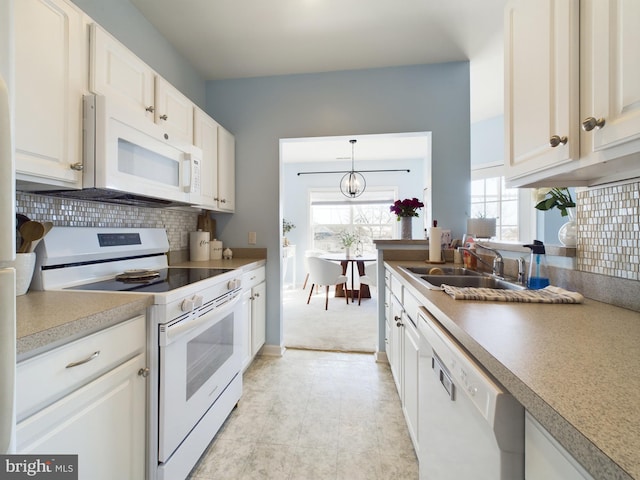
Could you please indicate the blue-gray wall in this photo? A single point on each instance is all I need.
(125, 22)
(260, 111)
(487, 142)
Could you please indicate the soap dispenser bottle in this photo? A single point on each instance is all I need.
(538, 277)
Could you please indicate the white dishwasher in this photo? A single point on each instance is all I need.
(469, 427)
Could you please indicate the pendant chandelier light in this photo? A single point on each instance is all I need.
(353, 183)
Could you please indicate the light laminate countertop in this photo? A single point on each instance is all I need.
(575, 367)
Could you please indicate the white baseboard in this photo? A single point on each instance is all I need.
(381, 357)
(272, 350)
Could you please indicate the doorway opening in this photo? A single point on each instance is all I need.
(315, 213)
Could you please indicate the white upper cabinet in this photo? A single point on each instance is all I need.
(610, 75)
(51, 77)
(205, 136)
(218, 163)
(541, 85)
(226, 171)
(174, 111)
(572, 92)
(119, 74)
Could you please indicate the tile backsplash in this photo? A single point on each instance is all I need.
(609, 230)
(608, 224)
(75, 213)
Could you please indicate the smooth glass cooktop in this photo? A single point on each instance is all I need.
(169, 279)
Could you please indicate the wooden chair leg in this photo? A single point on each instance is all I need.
(304, 285)
(346, 295)
(310, 293)
(326, 301)
(360, 295)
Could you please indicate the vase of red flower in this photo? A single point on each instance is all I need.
(405, 210)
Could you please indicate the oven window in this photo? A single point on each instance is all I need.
(207, 352)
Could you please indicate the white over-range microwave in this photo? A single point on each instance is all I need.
(131, 160)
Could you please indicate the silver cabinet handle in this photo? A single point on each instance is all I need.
(163, 117)
(78, 167)
(591, 123)
(557, 140)
(86, 360)
(223, 200)
(398, 321)
(150, 109)
(143, 372)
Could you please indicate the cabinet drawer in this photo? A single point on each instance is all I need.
(43, 379)
(253, 277)
(396, 288)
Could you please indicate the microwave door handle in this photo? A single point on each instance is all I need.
(172, 332)
(186, 172)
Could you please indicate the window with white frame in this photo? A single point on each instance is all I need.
(491, 198)
(368, 216)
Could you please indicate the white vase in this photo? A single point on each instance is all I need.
(568, 233)
(347, 252)
(405, 228)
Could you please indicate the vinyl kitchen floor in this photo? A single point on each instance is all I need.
(313, 415)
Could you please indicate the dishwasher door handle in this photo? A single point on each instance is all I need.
(443, 377)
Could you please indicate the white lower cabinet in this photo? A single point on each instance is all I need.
(403, 350)
(102, 419)
(545, 458)
(254, 308)
(411, 357)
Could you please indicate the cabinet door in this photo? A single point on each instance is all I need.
(541, 85)
(51, 78)
(117, 73)
(258, 317)
(395, 343)
(246, 334)
(205, 137)
(226, 171)
(102, 422)
(610, 72)
(411, 357)
(174, 112)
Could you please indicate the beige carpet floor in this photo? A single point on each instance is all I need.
(344, 328)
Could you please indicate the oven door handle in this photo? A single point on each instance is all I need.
(172, 332)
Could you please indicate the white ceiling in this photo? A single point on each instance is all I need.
(250, 38)
(407, 146)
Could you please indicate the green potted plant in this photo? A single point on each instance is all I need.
(557, 197)
(287, 226)
(560, 198)
(348, 239)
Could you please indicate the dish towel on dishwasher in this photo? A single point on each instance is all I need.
(548, 294)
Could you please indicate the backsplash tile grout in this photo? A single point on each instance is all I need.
(608, 220)
(76, 213)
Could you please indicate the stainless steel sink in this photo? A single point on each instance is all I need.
(482, 281)
(440, 271)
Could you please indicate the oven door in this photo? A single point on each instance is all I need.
(199, 356)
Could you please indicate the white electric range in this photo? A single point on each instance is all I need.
(194, 330)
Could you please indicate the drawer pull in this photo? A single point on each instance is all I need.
(86, 360)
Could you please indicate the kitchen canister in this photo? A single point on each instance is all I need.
(24, 264)
(199, 246)
(215, 249)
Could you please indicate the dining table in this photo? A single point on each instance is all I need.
(353, 261)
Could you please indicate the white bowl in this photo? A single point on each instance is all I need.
(24, 264)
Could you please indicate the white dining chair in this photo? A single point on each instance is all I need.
(324, 272)
(369, 278)
(308, 254)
